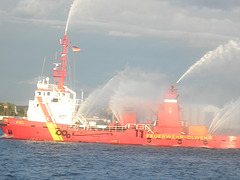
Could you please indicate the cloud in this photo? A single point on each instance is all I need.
(160, 18)
(131, 89)
(122, 34)
(29, 82)
(214, 78)
(31, 8)
(54, 23)
(198, 23)
(37, 9)
(213, 4)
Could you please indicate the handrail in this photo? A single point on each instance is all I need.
(148, 129)
(115, 128)
(145, 127)
(129, 125)
(82, 120)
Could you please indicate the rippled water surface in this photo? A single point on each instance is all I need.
(54, 160)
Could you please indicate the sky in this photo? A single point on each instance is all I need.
(163, 37)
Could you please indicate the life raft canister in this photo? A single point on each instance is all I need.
(68, 135)
(64, 133)
(58, 132)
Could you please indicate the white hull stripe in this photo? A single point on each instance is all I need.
(170, 100)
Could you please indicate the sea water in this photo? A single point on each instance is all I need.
(58, 160)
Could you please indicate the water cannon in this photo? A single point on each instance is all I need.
(173, 86)
(172, 90)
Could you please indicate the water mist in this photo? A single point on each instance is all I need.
(214, 80)
(131, 90)
(227, 122)
(220, 55)
(72, 10)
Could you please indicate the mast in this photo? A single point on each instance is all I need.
(61, 71)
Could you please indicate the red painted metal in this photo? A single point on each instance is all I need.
(61, 71)
(168, 115)
(128, 118)
(167, 132)
(163, 134)
(24, 129)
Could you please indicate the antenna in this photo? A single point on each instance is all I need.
(56, 55)
(61, 72)
(43, 66)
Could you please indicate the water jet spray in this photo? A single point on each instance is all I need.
(71, 12)
(221, 53)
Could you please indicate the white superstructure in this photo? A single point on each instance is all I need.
(52, 104)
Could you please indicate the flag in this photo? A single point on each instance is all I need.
(74, 48)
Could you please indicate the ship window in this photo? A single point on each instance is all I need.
(63, 94)
(39, 93)
(55, 100)
(48, 93)
(62, 116)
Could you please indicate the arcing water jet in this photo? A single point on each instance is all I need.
(51, 116)
(72, 10)
(221, 53)
(226, 119)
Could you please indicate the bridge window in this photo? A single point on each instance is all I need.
(55, 100)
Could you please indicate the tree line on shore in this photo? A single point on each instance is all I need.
(10, 109)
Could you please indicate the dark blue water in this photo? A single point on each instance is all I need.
(53, 160)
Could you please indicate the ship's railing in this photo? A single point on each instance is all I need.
(112, 128)
(144, 127)
(122, 128)
(83, 120)
(130, 126)
(86, 126)
(147, 127)
(46, 86)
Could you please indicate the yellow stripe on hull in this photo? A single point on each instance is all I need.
(53, 129)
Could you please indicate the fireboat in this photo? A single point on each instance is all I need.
(52, 116)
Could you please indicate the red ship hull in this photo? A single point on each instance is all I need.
(53, 108)
(30, 130)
